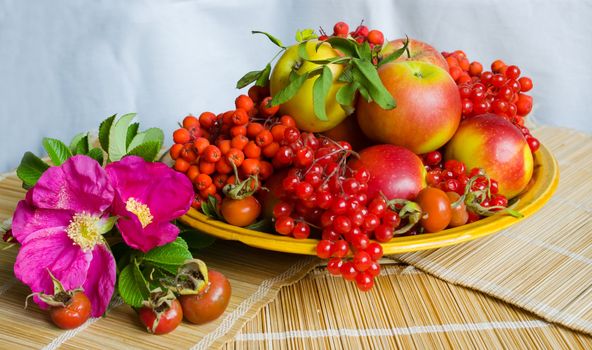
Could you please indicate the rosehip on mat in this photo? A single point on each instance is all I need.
(494, 144)
(428, 107)
(395, 171)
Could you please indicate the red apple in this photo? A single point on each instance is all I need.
(418, 51)
(494, 144)
(428, 107)
(395, 171)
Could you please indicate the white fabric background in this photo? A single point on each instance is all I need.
(66, 65)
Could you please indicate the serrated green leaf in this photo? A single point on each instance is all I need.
(290, 90)
(271, 37)
(132, 285)
(132, 131)
(148, 150)
(104, 129)
(75, 140)
(368, 78)
(320, 90)
(169, 256)
(117, 137)
(346, 46)
(393, 56)
(57, 151)
(248, 78)
(263, 79)
(96, 154)
(305, 34)
(30, 169)
(82, 146)
(152, 134)
(346, 94)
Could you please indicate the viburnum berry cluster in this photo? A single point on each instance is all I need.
(500, 91)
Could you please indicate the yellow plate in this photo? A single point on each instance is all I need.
(539, 191)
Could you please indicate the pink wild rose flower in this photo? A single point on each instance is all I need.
(148, 196)
(60, 225)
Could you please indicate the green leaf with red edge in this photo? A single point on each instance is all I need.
(320, 90)
(286, 94)
(272, 38)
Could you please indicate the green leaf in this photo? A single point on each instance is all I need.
(346, 94)
(169, 256)
(320, 90)
(82, 146)
(210, 208)
(290, 90)
(148, 150)
(57, 150)
(132, 131)
(30, 169)
(393, 56)
(346, 46)
(271, 37)
(152, 134)
(368, 77)
(96, 154)
(248, 78)
(346, 76)
(263, 79)
(117, 137)
(364, 51)
(132, 285)
(264, 225)
(104, 132)
(75, 141)
(305, 34)
(364, 92)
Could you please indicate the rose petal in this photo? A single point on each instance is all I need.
(80, 184)
(51, 249)
(27, 220)
(167, 193)
(100, 280)
(151, 236)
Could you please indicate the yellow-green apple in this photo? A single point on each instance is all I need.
(418, 51)
(428, 107)
(395, 171)
(491, 142)
(349, 130)
(300, 107)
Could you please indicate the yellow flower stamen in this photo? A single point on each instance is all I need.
(141, 210)
(84, 230)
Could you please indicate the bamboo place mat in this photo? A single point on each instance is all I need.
(541, 264)
(408, 309)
